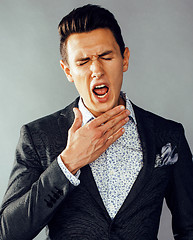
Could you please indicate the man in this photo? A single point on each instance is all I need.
(103, 171)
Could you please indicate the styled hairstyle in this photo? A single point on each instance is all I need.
(86, 19)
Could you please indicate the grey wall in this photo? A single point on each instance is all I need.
(160, 79)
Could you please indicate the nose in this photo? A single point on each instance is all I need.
(96, 69)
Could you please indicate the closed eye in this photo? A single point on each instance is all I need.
(82, 63)
(106, 55)
(106, 58)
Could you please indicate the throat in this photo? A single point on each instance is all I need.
(121, 101)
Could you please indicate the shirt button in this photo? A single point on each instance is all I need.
(111, 206)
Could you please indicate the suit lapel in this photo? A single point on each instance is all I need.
(146, 132)
(66, 119)
(86, 178)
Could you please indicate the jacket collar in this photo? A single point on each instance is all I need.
(66, 119)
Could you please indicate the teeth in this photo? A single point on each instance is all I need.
(101, 96)
(100, 86)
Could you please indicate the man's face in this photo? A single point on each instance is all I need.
(96, 67)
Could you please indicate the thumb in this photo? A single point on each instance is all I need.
(77, 120)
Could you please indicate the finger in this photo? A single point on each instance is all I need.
(110, 132)
(114, 137)
(120, 118)
(126, 112)
(116, 127)
(107, 115)
(108, 142)
(111, 127)
(77, 120)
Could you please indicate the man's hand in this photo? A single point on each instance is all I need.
(85, 144)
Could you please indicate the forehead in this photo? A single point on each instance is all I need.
(91, 43)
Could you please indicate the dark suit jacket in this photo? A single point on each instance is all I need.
(39, 193)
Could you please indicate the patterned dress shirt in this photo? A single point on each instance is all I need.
(116, 170)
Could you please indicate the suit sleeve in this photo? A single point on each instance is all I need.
(33, 195)
(180, 192)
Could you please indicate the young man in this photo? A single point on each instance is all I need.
(103, 171)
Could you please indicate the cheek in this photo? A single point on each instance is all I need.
(117, 78)
(82, 84)
(116, 69)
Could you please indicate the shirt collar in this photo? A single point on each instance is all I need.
(87, 115)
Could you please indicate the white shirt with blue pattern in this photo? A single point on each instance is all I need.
(116, 170)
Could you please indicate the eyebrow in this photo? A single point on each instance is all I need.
(100, 55)
(105, 53)
(82, 59)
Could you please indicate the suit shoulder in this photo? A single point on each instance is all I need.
(159, 121)
(50, 120)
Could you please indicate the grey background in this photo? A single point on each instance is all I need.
(160, 78)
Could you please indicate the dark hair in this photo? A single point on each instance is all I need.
(86, 19)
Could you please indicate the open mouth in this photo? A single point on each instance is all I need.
(101, 90)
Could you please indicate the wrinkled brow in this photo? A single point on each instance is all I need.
(82, 59)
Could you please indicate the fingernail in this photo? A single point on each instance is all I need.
(122, 107)
(128, 112)
(127, 119)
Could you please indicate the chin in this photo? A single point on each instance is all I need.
(102, 109)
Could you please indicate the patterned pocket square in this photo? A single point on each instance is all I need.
(168, 156)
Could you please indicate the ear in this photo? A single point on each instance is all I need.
(66, 69)
(126, 59)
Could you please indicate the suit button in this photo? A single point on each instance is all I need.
(53, 200)
(56, 195)
(59, 191)
(49, 204)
